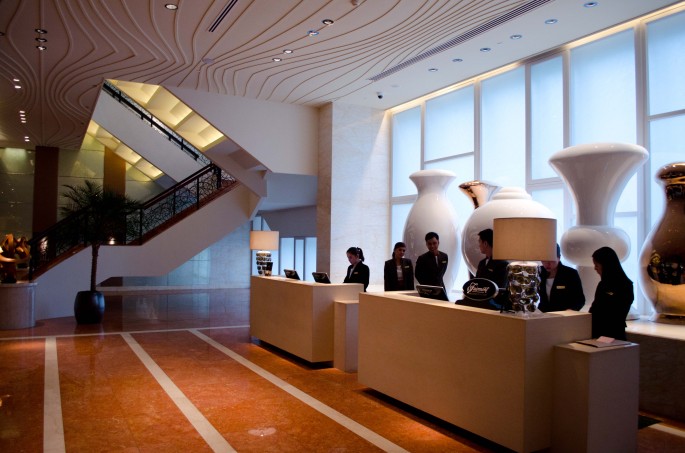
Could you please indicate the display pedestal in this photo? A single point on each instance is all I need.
(596, 392)
(17, 305)
(346, 318)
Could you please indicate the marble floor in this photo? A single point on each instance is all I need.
(178, 372)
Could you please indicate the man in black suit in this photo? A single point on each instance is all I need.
(560, 287)
(431, 266)
(494, 270)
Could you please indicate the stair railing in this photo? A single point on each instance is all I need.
(67, 236)
(153, 122)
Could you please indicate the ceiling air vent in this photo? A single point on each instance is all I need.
(513, 14)
(224, 12)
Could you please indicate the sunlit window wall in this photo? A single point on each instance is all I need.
(623, 86)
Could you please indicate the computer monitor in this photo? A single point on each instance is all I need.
(432, 292)
(291, 273)
(321, 277)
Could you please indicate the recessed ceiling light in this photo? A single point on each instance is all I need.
(22, 111)
(515, 37)
(41, 40)
(208, 60)
(312, 33)
(432, 69)
(277, 59)
(327, 21)
(485, 49)
(18, 87)
(41, 47)
(457, 60)
(287, 51)
(551, 21)
(590, 4)
(171, 7)
(15, 80)
(41, 31)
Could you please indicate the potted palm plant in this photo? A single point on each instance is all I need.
(103, 220)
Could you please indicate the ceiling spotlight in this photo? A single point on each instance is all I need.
(22, 111)
(457, 60)
(41, 31)
(551, 21)
(41, 40)
(277, 59)
(515, 37)
(485, 49)
(171, 7)
(208, 60)
(432, 69)
(288, 51)
(590, 4)
(41, 48)
(312, 33)
(17, 86)
(15, 80)
(327, 21)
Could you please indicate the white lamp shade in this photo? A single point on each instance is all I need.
(263, 240)
(525, 239)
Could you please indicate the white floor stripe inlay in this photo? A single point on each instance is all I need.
(53, 426)
(213, 438)
(358, 429)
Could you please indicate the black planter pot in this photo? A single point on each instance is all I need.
(89, 307)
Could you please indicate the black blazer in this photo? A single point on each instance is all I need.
(496, 270)
(360, 275)
(566, 292)
(428, 272)
(610, 309)
(390, 275)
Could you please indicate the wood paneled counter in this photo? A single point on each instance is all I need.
(486, 372)
(297, 316)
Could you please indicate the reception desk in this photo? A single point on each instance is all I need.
(486, 372)
(297, 316)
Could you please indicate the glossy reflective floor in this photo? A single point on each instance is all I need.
(178, 372)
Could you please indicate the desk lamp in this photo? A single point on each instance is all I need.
(524, 241)
(264, 242)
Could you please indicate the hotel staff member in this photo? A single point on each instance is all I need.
(357, 271)
(431, 266)
(398, 272)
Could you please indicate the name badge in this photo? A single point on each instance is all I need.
(561, 287)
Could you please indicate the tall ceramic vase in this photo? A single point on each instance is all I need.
(662, 259)
(596, 174)
(507, 202)
(432, 211)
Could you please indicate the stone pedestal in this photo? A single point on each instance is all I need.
(17, 305)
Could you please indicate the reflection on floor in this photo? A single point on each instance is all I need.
(178, 371)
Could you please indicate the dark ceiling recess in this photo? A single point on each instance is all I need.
(513, 14)
(224, 12)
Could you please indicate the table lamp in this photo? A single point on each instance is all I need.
(263, 242)
(524, 241)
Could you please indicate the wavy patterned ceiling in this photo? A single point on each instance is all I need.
(227, 47)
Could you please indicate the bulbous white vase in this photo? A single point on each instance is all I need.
(507, 202)
(662, 259)
(596, 174)
(432, 211)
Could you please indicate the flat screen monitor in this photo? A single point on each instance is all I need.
(291, 273)
(321, 277)
(432, 292)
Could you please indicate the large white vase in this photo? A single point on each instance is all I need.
(596, 174)
(432, 211)
(507, 202)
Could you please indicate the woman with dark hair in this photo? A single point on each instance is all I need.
(398, 273)
(613, 296)
(357, 271)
